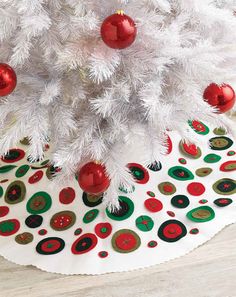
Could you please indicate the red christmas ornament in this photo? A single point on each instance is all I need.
(8, 79)
(220, 96)
(92, 178)
(118, 31)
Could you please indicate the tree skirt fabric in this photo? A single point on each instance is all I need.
(174, 207)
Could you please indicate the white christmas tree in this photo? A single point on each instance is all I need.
(92, 101)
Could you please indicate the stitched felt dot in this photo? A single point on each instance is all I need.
(78, 231)
(42, 232)
(180, 173)
(196, 189)
(24, 238)
(140, 174)
(4, 210)
(180, 201)
(34, 221)
(14, 155)
(203, 201)
(9, 227)
(231, 153)
(84, 244)
(223, 202)
(167, 188)
(201, 214)
(204, 171)
(103, 254)
(15, 192)
(50, 246)
(220, 143)
(182, 161)
(67, 195)
(144, 223)
(212, 158)
(63, 220)
(225, 186)
(172, 231)
(125, 210)
(228, 166)
(90, 216)
(194, 231)
(153, 205)
(36, 177)
(125, 241)
(22, 170)
(39, 203)
(171, 213)
(199, 127)
(151, 194)
(103, 230)
(152, 244)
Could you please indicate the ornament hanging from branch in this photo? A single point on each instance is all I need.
(8, 80)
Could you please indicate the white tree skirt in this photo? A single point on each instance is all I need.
(172, 210)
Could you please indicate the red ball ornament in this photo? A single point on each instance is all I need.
(118, 31)
(8, 79)
(220, 96)
(93, 179)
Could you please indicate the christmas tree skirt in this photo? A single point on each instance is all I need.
(174, 207)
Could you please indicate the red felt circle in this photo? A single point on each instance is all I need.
(126, 241)
(172, 231)
(36, 177)
(4, 210)
(50, 246)
(12, 230)
(190, 149)
(19, 156)
(196, 189)
(61, 221)
(84, 244)
(145, 178)
(153, 205)
(103, 230)
(67, 195)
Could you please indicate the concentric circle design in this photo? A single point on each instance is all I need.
(24, 238)
(152, 244)
(204, 171)
(220, 143)
(180, 201)
(90, 216)
(15, 192)
(63, 220)
(50, 246)
(39, 203)
(22, 170)
(84, 244)
(172, 231)
(34, 221)
(223, 202)
(124, 212)
(103, 230)
(125, 241)
(225, 186)
(180, 173)
(153, 205)
(140, 174)
(144, 223)
(167, 188)
(228, 166)
(201, 214)
(67, 195)
(91, 200)
(103, 254)
(190, 150)
(212, 158)
(9, 227)
(194, 231)
(196, 189)
(199, 127)
(14, 155)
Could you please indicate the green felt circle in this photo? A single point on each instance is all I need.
(144, 223)
(22, 170)
(125, 211)
(212, 158)
(201, 214)
(7, 168)
(90, 216)
(180, 173)
(39, 203)
(1, 192)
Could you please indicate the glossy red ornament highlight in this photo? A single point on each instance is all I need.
(118, 31)
(93, 179)
(220, 96)
(8, 80)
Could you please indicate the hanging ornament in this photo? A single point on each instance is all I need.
(118, 31)
(220, 96)
(8, 79)
(93, 179)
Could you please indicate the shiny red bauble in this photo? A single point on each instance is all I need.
(93, 179)
(118, 31)
(220, 96)
(8, 79)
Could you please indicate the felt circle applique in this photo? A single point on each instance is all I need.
(63, 220)
(155, 166)
(22, 170)
(140, 174)
(144, 223)
(125, 241)
(103, 230)
(228, 166)
(124, 212)
(194, 231)
(220, 143)
(222, 202)
(14, 155)
(103, 254)
(190, 150)
(212, 158)
(180, 201)
(201, 214)
(36, 177)
(50, 246)
(182, 161)
(9, 227)
(167, 188)
(15, 192)
(24, 238)
(203, 172)
(39, 203)
(90, 216)
(153, 205)
(1, 191)
(225, 186)
(84, 244)
(220, 131)
(7, 168)
(199, 127)
(231, 153)
(67, 195)
(4, 210)
(92, 200)
(180, 173)
(196, 189)
(78, 231)
(152, 244)
(172, 231)
(34, 221)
